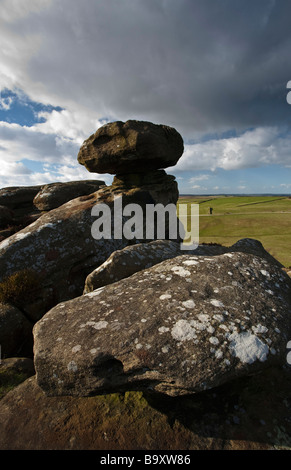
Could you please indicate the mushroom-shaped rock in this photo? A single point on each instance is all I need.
(131, 147)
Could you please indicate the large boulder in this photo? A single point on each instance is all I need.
(131, 259)
(55, 194)
(58, 248)
(185, 325)
(131, 147)
(16, 197)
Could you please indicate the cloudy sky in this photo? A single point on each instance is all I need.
(216, 70)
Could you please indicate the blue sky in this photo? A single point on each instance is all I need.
(210, 69)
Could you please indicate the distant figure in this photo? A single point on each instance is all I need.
(210, 210)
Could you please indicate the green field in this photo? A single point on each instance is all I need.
(265, 218)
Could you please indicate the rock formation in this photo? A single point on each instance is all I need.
(185, 325)
(249, 414)
(55, 194)
(136, 344)
(131, 147)
(58, 247)
(131, 259)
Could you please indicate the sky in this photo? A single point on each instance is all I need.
(218, 71)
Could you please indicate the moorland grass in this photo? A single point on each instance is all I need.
(264, 218)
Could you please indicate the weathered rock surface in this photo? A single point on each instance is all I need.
(131, 147)
(60, 249)
(162, 188)
(55, 194)
(16, 197)
(185, 325)
(131, 259)
(15, 332)
(236, 416)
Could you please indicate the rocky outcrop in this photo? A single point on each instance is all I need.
(131, 147)
(59, 248)
(188, 324)
(18, 197)
(131, 259)
(230, 417)
(55, 194)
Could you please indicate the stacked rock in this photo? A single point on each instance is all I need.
(136, 152)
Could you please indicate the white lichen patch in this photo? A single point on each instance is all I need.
(188, 303)
(190, 262)
(163, 329)
(216, 303)
(96, 325)
(180, 271)
(248, 347)
(165, 296)
(259, 329)
(183, 331)
(76, 348)
(214, 340)
(72, 366)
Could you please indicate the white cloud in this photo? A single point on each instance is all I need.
(195, 65)
(54, 143)
(198, 66)
(255, 148)
(199, 178)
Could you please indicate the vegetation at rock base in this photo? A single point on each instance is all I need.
(9, 379)
(20, 287)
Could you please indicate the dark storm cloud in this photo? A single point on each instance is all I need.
(204, 66)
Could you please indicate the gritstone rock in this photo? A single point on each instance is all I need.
(55, 194)
(188, 324)
(236, 417)
(131, 259)
(131, 147)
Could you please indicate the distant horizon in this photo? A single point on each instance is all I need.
(238, 195)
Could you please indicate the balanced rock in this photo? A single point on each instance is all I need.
(131, 147)
(185, 325)
(55, 194)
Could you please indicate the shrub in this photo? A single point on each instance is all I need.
(19, 288)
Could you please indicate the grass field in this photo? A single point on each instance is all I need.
(265, 218)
